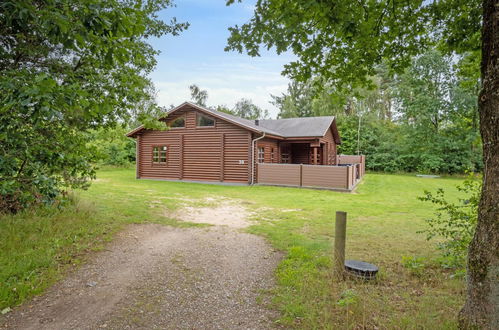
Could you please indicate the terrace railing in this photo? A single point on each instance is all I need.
(341, 177)
(349, 159)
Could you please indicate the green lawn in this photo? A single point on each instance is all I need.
(384, 217)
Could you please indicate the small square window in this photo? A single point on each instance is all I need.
(205, 121)
(159, 154)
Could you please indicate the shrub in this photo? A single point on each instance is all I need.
(112, 146)
(348, 297)
(414, 264)
(454, 222)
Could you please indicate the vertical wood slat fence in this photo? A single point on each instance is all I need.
(358, 160)
(344, 177)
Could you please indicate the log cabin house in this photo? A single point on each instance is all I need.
(205, 145)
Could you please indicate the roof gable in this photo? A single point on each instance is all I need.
(245, 123)
(306, 127)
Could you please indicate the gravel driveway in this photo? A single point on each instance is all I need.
(154, 276)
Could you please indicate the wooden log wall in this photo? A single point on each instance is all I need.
(330, 149)
(219, 153)
(268, 145)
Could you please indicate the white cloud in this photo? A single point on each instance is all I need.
(226, 83)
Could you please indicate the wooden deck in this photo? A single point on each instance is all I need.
(343, 176)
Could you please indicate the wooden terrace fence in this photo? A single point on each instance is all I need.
(348, 159)
(342, 177)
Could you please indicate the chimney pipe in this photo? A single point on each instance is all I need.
(257, 122)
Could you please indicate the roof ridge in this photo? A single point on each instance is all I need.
(283, 127)
(249, 123)
(300, 118)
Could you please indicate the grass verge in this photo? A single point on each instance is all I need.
(383, 219)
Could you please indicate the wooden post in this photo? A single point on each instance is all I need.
(348, 177)
(339, 242)
(301, 175)
(278, 152)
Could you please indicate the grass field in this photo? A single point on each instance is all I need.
(384, 217)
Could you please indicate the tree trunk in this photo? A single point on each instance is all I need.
(481, 309)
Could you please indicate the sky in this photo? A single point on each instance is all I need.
(197, 56)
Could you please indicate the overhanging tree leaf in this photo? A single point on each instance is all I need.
(343, 40)
(67, 67)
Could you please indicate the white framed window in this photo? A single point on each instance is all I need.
(272, 155)
(261, 154)
(159, 154)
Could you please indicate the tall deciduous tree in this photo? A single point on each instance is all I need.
(428, 114)
(424, 92)
(245, 108)
(344, 40)
(198, 95)
(296, 102)
(67, 67)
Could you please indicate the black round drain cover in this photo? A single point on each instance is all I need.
(361, 269)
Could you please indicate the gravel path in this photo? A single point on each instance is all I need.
(158, 277)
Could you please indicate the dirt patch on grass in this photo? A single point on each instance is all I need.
(154, 276)
(219, 212)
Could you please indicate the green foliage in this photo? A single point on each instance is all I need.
(414, 264)
(339, 40)
(67, 68)
(112, 146)
(198, 95)
(375, 61)
(223, 108)
(147, 112)
(348, 297)
(454, 222)
(297, 102)
(343, 41)
(458, 24)
(423, 120)
(423, 94)
(245, 108)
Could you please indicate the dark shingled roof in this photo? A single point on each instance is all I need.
(289, 127)
(245, 122)
(286, 128)
(298, 127)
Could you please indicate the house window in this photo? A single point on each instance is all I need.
(159, 154)
(285, 157)
(272, 155)
(261, 154)
(178, 123)
(204, 121)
